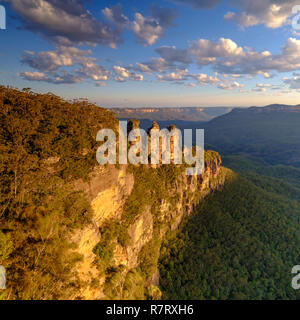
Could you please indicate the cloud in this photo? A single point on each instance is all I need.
(165, 16)
(230, 86)
(207, 52)
(142, 67)
(48, 61)
(68, 21)
(149, 29)
(172, 54)
(115, 15)
(204, 79)
(263, 87)
(34, 76)
(173, 76)
(123, 74)
(199, 4)
(191, 84)
(180, 76)
(276, 87)
(100, 84)
(154, 65)
(170, 58)
(293, 83)
(51, 65)
(267, 75)
(227, 57)
(63, 78)
(271, 13)
(259, 89)
(242, 19)
(89, 69)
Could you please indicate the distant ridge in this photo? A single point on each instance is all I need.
(270, 108)
(270, 133)
(164, 114)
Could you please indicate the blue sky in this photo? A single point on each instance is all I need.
(141, 53)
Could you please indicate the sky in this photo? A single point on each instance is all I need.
(171, 53)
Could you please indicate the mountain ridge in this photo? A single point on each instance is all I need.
(170, 113)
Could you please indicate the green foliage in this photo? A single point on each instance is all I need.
(46, 144)
(211, 157)
(113, 285)
(249, 165)
(6, 247)
(134, 286)
(104, 251)
(111, 232)
(153, 292)
(151, 186)
(241, 244)
(148, 257)
(114, 230)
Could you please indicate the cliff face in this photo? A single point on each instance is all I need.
(107, 191)
(125, 267)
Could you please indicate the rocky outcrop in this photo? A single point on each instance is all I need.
(109, 189)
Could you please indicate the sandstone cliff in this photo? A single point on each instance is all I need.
(120, 248)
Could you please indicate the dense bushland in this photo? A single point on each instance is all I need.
(46, 143)
(241, 243)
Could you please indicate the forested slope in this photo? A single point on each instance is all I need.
(241, 243)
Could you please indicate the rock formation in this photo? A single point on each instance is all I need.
(110, 190)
